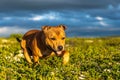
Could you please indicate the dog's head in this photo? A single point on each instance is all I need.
(54, 38)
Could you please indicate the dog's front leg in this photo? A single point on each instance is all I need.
(36, 59)
(65, 57)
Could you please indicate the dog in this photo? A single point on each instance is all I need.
(48, 41)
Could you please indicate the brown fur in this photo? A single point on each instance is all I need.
(42, 43)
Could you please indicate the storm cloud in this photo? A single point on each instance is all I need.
(83, 17)
(55, 4)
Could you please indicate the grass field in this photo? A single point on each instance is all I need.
(90, 59)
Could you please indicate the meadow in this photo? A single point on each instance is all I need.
(90, 59)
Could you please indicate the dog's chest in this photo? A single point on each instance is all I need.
(47, 53)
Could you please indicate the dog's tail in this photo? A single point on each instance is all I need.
(18, 39)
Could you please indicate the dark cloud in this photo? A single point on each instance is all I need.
(83, 17)
(11, 5)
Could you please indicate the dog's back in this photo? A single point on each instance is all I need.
(30, 34)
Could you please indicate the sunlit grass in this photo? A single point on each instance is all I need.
(90, 59)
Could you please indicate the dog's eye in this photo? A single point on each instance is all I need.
(63, 38)
(52, 38)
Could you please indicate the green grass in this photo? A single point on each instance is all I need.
(90, 59)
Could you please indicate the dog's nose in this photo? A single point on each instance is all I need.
(60, 48)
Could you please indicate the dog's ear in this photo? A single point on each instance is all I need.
(45, 28)
(62, 26)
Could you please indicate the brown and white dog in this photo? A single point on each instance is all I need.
(46, 42)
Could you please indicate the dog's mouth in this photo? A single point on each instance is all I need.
(58, 53)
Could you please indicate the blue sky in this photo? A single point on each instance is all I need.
(82, 17)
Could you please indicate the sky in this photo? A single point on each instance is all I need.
(82, 17)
